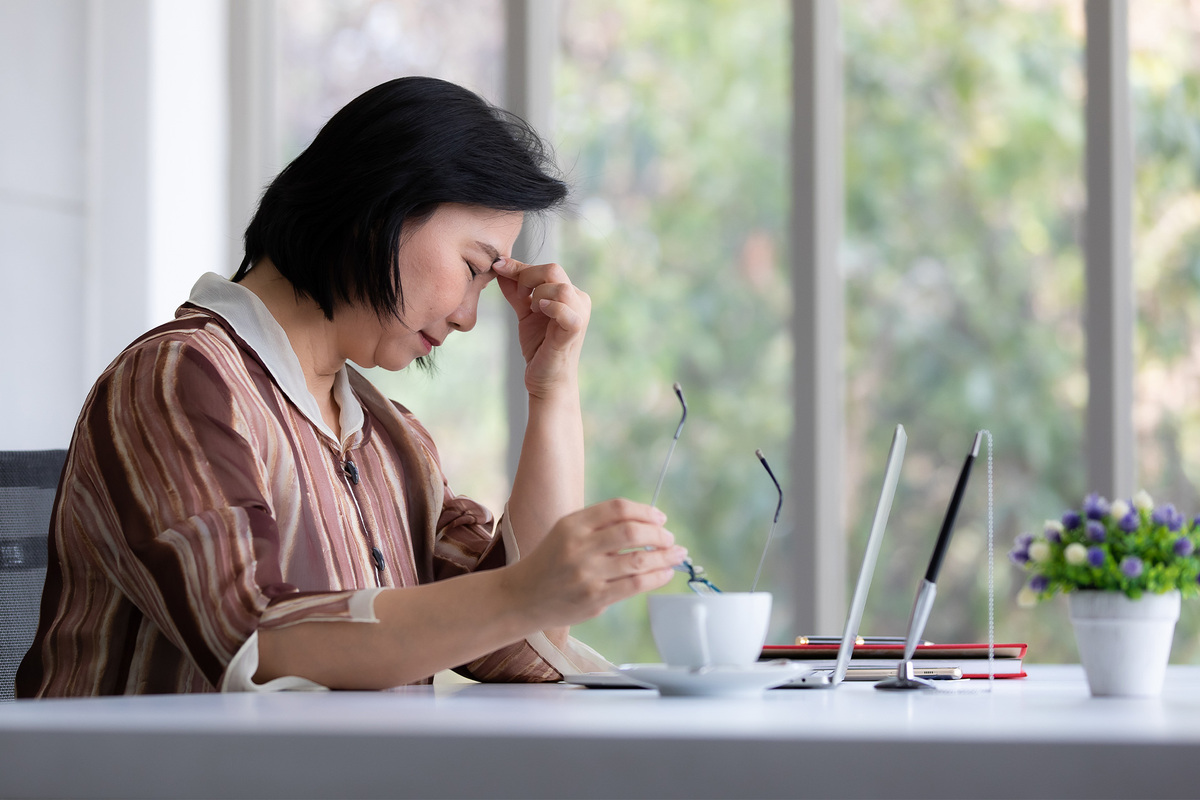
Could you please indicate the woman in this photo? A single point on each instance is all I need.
(241, 511)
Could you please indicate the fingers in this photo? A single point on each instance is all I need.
(530, 275)
(595, 557)
(533, 283)
(567, 318)
(631, 585)
(619, 509)
(631, 538)
(555, 293)
(642, 560)
(626, 536)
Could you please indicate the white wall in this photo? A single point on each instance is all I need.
(42, 219)
(113, 189)
(189, 159)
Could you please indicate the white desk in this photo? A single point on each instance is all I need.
(1039, 737)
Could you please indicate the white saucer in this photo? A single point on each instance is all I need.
(747, 681)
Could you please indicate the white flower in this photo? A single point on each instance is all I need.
(1076, 554)
(1143, 501)
(1053, 525)
(1026, 597)
(1039, 551)
(1119, 509)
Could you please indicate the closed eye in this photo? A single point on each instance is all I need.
(476, 272)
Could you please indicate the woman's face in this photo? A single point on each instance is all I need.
(444, 265)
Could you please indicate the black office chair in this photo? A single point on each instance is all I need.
(28, 479)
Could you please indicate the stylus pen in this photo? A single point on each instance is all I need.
(928, 590)
(943, 540)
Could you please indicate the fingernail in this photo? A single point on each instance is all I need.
(543, 304)
(658, 515)
(680, 553)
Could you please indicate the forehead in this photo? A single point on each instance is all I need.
(488, 228)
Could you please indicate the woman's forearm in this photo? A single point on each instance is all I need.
(454, 621)
(593, 558)
(549, 483)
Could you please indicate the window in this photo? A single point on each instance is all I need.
(964, 290)
(673, 122)
(1164, 75)
(964, 274)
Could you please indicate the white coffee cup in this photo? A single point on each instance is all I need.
(710, 630)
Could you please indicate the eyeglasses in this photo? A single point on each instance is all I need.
(696, 580)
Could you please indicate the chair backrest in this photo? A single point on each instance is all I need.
(28, 480)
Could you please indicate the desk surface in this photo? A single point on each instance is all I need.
(1039, 737)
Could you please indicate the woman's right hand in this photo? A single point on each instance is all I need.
(591, 559)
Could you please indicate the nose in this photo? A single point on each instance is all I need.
(464, 317)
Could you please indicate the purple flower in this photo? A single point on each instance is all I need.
(1163, 514)
(1020, 552)
(1095, 506)
(1184, 546)
(1168, 516)
(1053, 536)
(1096, 556)
(1071, 520)
(1131, 566)
(1129, 523)
(1039, 583)
(1095, 531)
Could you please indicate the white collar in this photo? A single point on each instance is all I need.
(251, 320)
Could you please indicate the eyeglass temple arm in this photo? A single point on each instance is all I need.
(778, 508)
(662, 473)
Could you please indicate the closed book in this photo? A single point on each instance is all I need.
(971, 658)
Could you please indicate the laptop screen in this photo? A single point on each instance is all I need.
(883, 508)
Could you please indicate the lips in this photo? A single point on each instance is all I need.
(429, 342)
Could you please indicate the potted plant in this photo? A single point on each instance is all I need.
(1124, 566)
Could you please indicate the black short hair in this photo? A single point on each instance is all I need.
(332, 220)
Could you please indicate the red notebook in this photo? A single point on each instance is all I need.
(972, 658)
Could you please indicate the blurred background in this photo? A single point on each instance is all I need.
(961, 259)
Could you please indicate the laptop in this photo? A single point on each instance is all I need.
(824, 677)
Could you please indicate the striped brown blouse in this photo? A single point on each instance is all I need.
(201, 503)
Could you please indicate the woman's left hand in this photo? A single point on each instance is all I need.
(552, 318)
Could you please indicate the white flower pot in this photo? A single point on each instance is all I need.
(1124, 644)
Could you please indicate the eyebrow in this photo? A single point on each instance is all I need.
(492, 252)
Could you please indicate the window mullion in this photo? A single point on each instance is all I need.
(1108, 252)
(529, 57)
(254, 136)
(816, 502)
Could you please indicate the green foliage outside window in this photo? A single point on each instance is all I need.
(673, 120)
(964, 187)
(964, 142)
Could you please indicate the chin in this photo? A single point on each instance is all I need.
(396, 364)
(391, 363)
